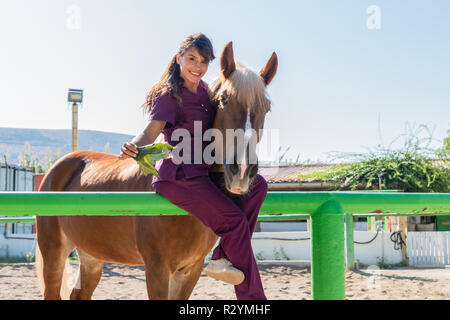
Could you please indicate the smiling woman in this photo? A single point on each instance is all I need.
(192, 68)
(227, 201)
(185, 68)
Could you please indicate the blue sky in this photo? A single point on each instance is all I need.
(336, 77)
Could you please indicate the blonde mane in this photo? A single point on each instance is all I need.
(245, 86)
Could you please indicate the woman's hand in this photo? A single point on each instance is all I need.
(128, 150)
(146, 137)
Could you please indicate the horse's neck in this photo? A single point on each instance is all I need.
(216, 168)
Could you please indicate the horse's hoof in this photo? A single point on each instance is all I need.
(222, 269)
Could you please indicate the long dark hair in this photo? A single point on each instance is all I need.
(171, 82)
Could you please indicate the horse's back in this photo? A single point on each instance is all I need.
(106, 238)
(115, 239)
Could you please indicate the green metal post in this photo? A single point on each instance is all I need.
(327, 252)
(350, 248)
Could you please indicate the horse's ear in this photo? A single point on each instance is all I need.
(227, 65)
(270, 69)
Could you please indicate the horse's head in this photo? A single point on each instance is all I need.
(240, 94)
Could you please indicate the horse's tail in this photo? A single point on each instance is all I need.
(57, 178)
(67, 280)
(39, 269)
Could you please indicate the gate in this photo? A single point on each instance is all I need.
(428, 248)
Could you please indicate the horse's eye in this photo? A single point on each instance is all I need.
(223, 99)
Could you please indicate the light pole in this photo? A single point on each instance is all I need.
(75, 96)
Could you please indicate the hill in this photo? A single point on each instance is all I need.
(45, 141)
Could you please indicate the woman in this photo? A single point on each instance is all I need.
(175, 102)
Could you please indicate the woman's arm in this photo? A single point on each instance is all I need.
(146, 137)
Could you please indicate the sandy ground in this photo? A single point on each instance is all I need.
(19, 281)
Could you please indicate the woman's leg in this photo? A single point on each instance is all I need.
(249, 203)
(200, 197)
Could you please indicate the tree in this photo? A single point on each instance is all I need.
(28, 160)
(443, 153)
(106, 148)
(32, 161)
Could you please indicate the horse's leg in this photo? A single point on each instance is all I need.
(157, 276)
(88, 277)
(183, 281)
(55, 248)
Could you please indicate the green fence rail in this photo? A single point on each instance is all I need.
(17, 219)
(326, 211)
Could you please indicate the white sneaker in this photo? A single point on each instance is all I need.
(222, 269)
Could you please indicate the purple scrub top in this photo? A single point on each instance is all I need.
(195, 107)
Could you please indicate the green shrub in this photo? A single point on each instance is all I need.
(413, 168)
(403, 170)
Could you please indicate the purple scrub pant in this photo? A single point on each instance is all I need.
(232, 220)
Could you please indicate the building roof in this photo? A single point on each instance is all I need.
(289, 174)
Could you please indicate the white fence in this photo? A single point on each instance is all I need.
(295, 246)
(428, 248)
(423, 248)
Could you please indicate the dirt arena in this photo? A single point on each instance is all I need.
(18, 281)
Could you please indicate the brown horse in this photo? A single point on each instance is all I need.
(172, 248)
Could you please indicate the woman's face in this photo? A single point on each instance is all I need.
(192, 65)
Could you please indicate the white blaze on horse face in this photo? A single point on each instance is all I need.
(248, 129)
(247, 136)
